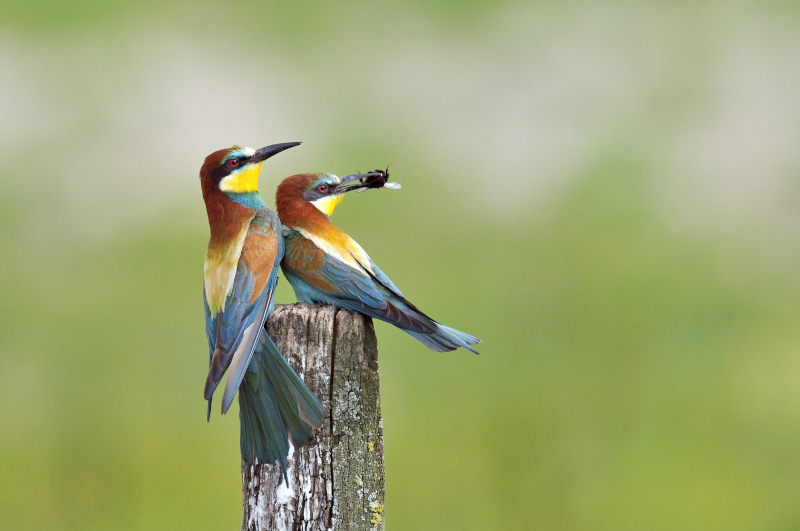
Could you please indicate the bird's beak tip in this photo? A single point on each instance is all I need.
(269, 151)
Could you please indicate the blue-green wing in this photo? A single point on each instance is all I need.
(319, 277)
(234, 331)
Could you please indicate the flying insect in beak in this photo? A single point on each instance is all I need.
(373, 179)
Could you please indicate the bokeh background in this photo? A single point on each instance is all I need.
(606, 192)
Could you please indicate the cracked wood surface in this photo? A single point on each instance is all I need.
(336, 481)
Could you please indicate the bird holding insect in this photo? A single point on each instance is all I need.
(324, 265)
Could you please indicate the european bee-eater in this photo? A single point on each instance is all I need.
(241, 270)
(325, 265)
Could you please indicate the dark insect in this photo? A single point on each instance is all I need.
(376, 178)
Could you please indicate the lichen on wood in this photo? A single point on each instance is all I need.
(336, 481)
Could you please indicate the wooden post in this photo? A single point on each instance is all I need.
(336, 480)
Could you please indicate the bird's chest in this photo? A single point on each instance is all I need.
(220, 268)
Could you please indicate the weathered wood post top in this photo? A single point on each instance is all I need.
(336, 481)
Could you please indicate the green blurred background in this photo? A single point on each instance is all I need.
(605, 192)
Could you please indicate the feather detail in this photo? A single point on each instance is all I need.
(259, 251)
(228, 222)
(243, 355)
(340, 246)
(219, 270)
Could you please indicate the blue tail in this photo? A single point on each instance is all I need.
(274, 405)
(394, 309)
(446, 339)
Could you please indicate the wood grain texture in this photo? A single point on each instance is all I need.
(336, 482)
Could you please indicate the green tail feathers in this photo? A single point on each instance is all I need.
(274, 406)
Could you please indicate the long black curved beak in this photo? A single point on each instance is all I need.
(267, 152)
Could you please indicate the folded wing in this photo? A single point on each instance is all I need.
(234, 331)
(328, 278)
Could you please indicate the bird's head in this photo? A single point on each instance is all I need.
(325, 190)
(235, 170)
(322, 191)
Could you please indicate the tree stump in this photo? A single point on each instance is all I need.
(336, 481)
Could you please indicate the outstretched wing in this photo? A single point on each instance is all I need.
(349, 279)
(235, 330)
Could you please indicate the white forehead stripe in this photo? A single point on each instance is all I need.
(248, 151)
(242, 151)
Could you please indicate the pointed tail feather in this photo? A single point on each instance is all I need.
(302, 409)
(446, 339)
(462, 339)
(400, 312)
(261, 425)
(274, 405)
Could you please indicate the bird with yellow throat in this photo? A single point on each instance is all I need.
(326, 266)
(240, 274)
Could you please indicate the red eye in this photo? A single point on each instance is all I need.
(322, 188)
(233, 163)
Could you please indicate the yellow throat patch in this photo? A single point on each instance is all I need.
(243, 180)
(328, 203)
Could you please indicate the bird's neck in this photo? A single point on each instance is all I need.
(247, 199)
(296, 212)
(228, 214)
